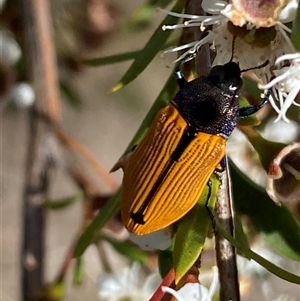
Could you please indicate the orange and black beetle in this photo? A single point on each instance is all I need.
(167, 172)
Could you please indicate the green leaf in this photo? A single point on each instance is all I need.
(143, 14)
(156, 42)
(78, 272)
(283, 274)
(111, 59)
(251, 87)
(276, 223)
(64, 202)
(239, 233)
(165, 261)
(109, 210)
(70, 94)
(127, 249)
(296, 31)
(192, 231)
(54, 291)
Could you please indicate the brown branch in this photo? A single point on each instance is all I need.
(203, 60)
(225, 252)
(41, 72)
(41, 57)
(81, 150)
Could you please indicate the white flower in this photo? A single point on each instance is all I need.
(126, 284)
(194, 291)
(286, 84)
(158, 240)
(284, 175)
(22, 95)
(221, 39)
(9, 48)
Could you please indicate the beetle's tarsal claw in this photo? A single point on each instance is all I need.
(138, 218)
(121, 163)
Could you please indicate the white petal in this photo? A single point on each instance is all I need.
(289, 101)
(288, 14)
(179, 15)
(214, 283)
(288, 56)
(158, 240)
(213, 7)
(189, 292)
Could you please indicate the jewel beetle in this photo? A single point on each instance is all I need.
(167, 171)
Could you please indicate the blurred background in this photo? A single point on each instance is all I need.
(104, 122)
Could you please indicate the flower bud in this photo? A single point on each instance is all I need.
(284, 175)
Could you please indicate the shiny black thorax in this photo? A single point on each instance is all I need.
(210, 103)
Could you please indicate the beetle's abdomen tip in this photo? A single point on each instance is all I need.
(121, 163)
(115, 167)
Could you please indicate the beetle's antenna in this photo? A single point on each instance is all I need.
(257, 67)
(232, 46)
(185, 59)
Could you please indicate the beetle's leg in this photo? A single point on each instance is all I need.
(178, 73)
(222, 165)
(249, 110)
(209, 184)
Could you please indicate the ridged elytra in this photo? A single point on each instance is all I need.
(168, 170)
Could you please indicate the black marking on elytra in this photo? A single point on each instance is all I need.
(188, 135)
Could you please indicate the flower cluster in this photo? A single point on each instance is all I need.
(261, 35)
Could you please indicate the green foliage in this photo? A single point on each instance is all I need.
(146, 55)
(70, 94)
(192, 232)
(127, 249)
(276, 223)
(109, 210)
(64, 202)
(142, 16)
(243, 249)
(296, 31)
(111, 59)
(78, 271)
(165, 261)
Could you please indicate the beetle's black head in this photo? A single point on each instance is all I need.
(226, 76)
(210, 103)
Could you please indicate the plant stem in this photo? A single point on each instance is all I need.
(225, 252)
(41, 70)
